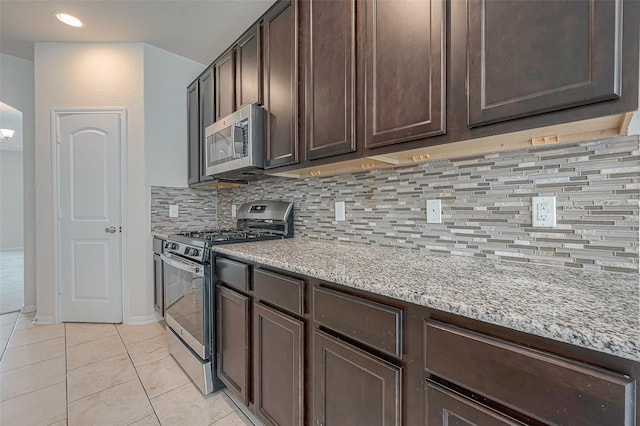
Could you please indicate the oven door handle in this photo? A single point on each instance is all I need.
(182, 265)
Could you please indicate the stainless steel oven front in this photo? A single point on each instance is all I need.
(188, 309)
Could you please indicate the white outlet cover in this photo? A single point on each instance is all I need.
(173, 210)
(543, 212)
(234, 210)
(340, 211)
(434, 211)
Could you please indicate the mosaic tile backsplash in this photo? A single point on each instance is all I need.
(196, 209)
(486, 205)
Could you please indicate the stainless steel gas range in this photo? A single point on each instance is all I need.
(189, 284)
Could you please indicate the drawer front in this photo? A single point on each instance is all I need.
(448, 408)
(234, 274)
(371, 323)
(546, 387)
(284, 292)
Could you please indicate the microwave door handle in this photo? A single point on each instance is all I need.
(237, 153)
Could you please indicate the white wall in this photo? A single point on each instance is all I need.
(150, 84)
(166, 77)
(81, 75)
(17, 90)
(11, 200)
(11, 181)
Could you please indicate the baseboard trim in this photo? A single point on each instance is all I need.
(44, 320)
(139, 320)
(12, 249)
(28, 309)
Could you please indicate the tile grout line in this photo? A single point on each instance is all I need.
(139, 380)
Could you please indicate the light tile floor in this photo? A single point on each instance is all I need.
(99, 374)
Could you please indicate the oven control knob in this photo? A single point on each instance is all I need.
(195, 252)
(173, 246)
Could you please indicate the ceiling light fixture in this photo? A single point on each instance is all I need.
(6, 134)
(69, 19)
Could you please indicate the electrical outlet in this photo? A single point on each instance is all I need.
(340, 211)
(543, 212)
(434, 211)
(173, 210)
(234, 210)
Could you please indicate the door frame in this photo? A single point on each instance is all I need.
(56, 114)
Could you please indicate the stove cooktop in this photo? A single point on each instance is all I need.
(256, 220)
(221, 236)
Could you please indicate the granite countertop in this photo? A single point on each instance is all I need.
(591, 309)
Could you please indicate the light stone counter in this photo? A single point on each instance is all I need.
(594, 310)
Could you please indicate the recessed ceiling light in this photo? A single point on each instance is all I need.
(69, 19)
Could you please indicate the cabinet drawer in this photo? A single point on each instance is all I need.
(284, 292)
(546, 387)
(371, 323)
(234, 274)
(448, 408)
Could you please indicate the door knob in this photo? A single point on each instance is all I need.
(110, 230)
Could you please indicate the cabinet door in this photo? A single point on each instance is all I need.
(225, 85)
(249, 68)
(193, 136)
(278, 343)
(446, 408)
(330, 73)
(206, 117)
(233, 342)
(353, 387)
(405, 71)
(532, 56)
(280, 28)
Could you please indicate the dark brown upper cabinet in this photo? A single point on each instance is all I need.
(225, 84)
(405, 71)
(207, 116)
(280, 29)
(193, 135)
(534, 56)
(248, 55)
(200, 114)
(329, 29)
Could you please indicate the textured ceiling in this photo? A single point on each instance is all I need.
(198, 30)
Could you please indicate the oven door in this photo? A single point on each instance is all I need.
(186, 306)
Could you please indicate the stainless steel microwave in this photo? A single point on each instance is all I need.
(234, 144)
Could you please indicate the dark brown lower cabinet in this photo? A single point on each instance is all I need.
(539, 385)
(278, 344)
(353, 387)
(446, 408)
(233, 342)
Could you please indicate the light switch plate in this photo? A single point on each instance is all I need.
(340, 211)
(543, 212)
(173, 210)
(434, 211)
(234, 210)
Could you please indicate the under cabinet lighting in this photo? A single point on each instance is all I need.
(69, 19)
(6, 134)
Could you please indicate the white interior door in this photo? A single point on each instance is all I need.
(89, 216)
